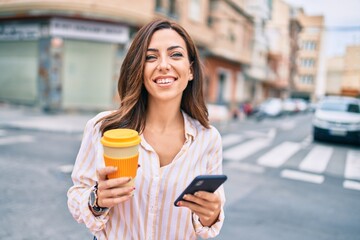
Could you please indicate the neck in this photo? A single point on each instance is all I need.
(163, 117)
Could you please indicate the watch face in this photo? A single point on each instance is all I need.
(92, 198)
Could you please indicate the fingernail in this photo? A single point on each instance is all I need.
(197, 194)
(185, 196)
(179, 203)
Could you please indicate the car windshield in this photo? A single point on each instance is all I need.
(340, 107)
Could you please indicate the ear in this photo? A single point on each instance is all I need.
(191, 75)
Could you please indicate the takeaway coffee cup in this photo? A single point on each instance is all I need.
(121, 150)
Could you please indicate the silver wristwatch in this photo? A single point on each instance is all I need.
(93, 201)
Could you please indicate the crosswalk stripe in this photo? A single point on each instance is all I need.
(317, 159)
(230, 139)
(351, 185)
(278, 155)
(244, 150)
(352, 167)
(302, 176)
(246, 167)
(16, 139)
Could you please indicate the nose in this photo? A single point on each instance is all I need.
(163, 64)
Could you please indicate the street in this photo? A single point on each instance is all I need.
(281, 185)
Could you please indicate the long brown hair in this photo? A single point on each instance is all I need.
(132, 92)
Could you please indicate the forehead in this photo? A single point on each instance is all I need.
(164, 38)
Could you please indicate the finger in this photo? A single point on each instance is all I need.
(208, 196)
(103, 172)
(200, 210)
(110, 202)
(115, 192)
(195, 199)
(113, 183)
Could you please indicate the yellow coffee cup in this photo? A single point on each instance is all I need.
(121, 150)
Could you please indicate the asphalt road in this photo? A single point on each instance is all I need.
(267, 197)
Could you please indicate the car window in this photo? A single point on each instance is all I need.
(353, 108)
(333, 106)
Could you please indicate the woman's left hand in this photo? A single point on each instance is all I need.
(204, 204)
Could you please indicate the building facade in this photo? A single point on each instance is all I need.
(334, 75)
(309, 58)
(351, 78)
(278, 32)
(67, 55)
(258, 71)
(228, 54)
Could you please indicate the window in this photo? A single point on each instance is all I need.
(309, 45)
(307, 79)
(167, 7)
(307, 62)
(195, 10)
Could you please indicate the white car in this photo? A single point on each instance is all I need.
(337, 118)
(272, 107)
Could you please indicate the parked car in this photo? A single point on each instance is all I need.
(289, 106)
(337, 118)
(301, 105)
(272, 107)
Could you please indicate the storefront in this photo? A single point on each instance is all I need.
(59, 63)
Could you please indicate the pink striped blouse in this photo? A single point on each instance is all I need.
(150, 213)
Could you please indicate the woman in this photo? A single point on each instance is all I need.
(160, 89)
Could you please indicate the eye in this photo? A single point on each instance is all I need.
(177, 55)
(150, 57)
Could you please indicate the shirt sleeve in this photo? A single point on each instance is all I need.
(214, 166)
(84, 177)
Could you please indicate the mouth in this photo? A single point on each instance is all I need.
(165, 80)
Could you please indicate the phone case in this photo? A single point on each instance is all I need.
(207, 183)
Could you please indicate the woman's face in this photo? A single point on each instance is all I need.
(167, 67)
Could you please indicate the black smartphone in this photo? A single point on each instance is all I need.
(207, 183)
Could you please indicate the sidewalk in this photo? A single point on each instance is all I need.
(28, 118)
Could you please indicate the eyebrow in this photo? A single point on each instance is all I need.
(168, 49)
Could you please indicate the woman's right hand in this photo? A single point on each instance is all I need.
(112, 191)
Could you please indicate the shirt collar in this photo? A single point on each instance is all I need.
(190, 129)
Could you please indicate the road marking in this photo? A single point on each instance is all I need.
(301, 176)
(352, 167)
(66, 168)
(16, 139)
(306, 142)
(261, 134)
(230, 139)
(246, 167)
(317, 160)
(244, 150)
(351, 185)
(278, 155)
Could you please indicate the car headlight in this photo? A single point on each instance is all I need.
(354, 126)
(320, 123)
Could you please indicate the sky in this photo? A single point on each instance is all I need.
(342, 21)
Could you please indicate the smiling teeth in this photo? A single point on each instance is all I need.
(163, 81)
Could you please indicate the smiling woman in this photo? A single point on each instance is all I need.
(161, 97)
